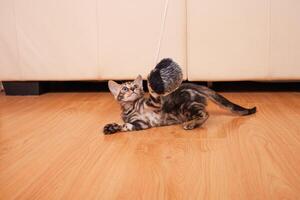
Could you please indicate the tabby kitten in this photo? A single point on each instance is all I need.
(186, 106)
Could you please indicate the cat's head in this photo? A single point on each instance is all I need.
(127, 92)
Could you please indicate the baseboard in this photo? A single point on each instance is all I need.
(40, 87)
(253, 86)
(23, 87)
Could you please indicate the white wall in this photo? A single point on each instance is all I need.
(285, 39)
(87, 39)
(100, 40)
(129, 33)
(243, 40)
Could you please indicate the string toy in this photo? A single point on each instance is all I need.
(161, 33)
(167, 74)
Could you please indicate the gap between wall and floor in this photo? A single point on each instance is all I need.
(41, 87)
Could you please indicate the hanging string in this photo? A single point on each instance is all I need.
(162, 30)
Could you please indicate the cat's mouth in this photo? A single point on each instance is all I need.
(132, 94)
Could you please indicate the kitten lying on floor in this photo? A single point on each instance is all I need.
(186, 106)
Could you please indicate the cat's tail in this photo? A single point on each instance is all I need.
(225, 103)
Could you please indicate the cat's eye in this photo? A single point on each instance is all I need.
(135, 86)
(125, 89)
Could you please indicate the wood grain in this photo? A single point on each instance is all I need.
(52, 147)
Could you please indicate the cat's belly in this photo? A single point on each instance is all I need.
(161, 119)
(151, 118)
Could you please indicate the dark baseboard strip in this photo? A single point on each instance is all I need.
(23, 88)
(40, 87)
(252, 86)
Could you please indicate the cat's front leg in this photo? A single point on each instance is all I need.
(114, 128)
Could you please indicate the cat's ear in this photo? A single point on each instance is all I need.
(139, 80)
(114, 88)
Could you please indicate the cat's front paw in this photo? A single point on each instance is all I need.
(111, 128)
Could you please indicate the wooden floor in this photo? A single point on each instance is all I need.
(52, 147)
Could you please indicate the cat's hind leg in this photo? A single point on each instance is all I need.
(196, 120)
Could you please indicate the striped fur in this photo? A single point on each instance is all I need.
(186, 106)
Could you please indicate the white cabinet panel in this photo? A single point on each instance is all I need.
(228, 39)
(285, 39)
(129, 32)
(57, 39)
(9, 68)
